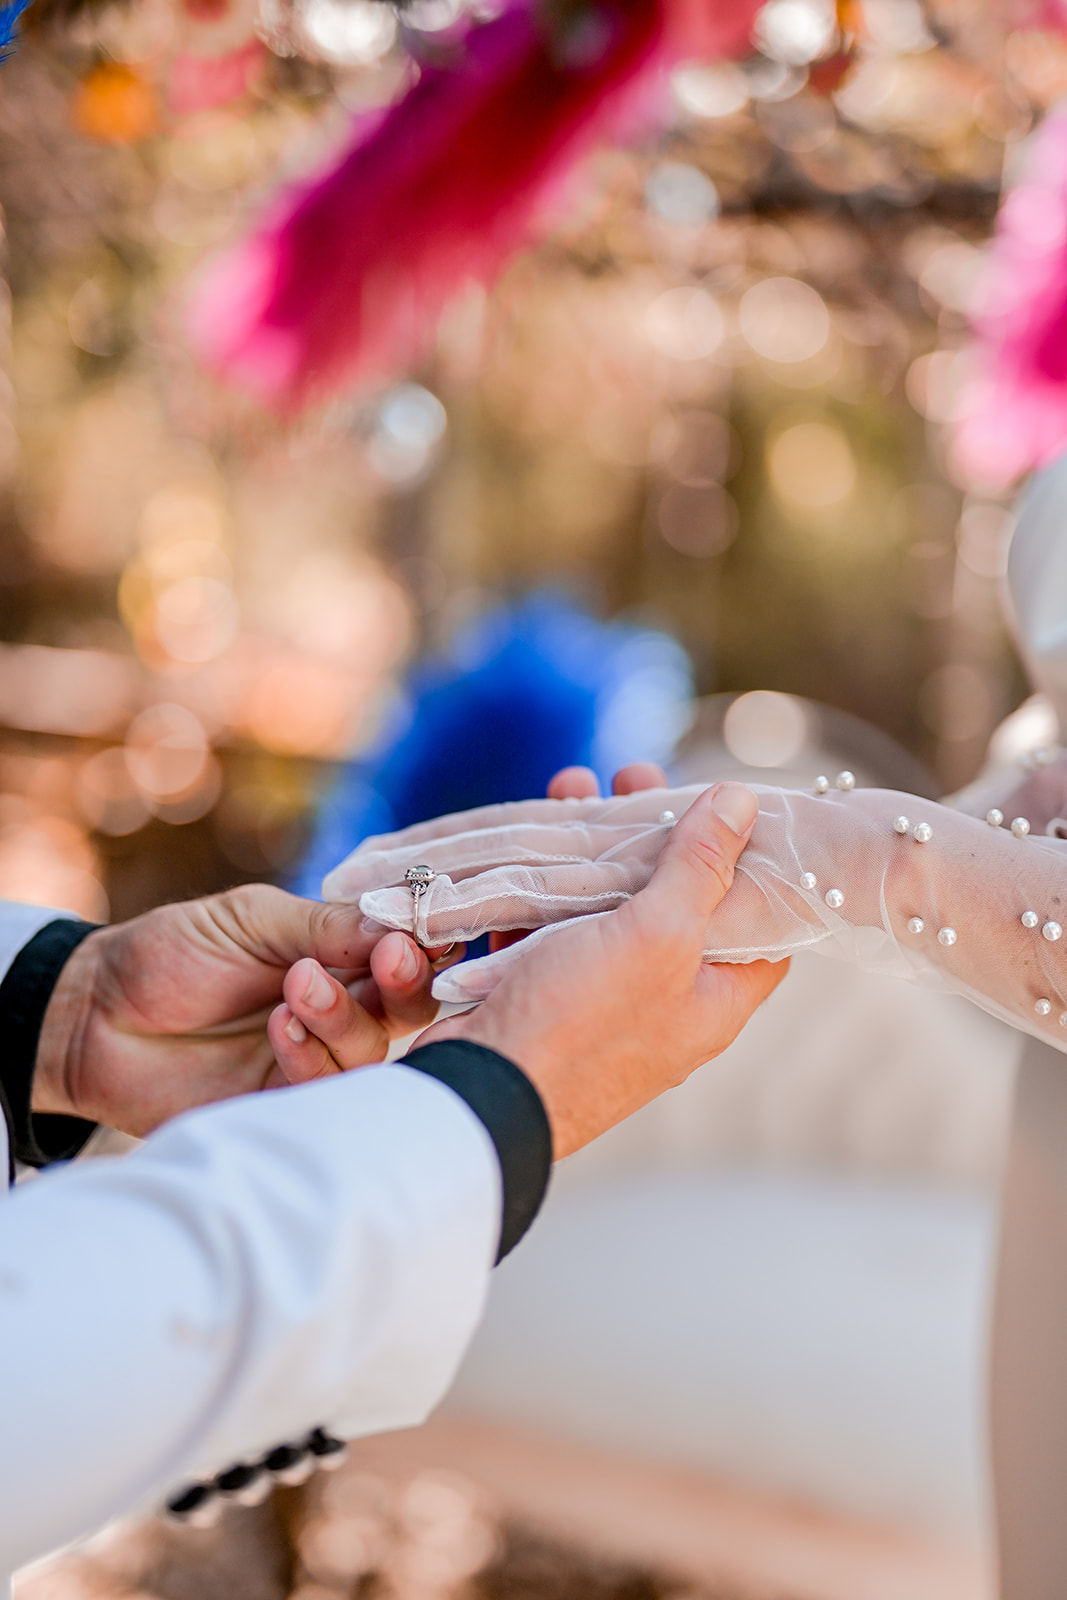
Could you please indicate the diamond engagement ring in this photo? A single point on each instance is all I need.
(418, 880)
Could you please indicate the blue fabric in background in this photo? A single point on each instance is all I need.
(9, 25)
(526, 689)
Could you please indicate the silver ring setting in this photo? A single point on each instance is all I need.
(418, 880)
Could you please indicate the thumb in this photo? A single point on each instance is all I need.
(280, 928)
(696, 867)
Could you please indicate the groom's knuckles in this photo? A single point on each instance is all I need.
(273, 925)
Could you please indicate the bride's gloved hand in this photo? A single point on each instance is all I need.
(893, 883)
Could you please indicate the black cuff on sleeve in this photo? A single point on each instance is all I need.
(503, 1098)
(33, 1138)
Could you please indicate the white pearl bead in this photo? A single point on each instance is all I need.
(666, 817)
(846, 781)
(923, 833)
(1052, 932)
(946, 936)
(1063, 1019)
(1029, 919)
(916, 924)
(808, 880)
(834, 899)
(821, 784)
(1043, 1007)
(901, 825)
(994, 817)
(1020, 827)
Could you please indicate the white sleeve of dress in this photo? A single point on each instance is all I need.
(313, 1256)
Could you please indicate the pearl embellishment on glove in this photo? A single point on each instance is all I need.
(666, 818)
(1029, 919)
(946, 936)
(923, 833)
(1052, 931)
(846, 781)
(1020, 827)
(916, 924)
(821, 784)
(1043, 1007)
(901, 825)
(808, 880)
(994, 817)
(834, 899)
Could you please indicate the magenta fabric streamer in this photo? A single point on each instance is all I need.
(344, 279)
(1013, 408)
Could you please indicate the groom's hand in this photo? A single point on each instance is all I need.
(169, 1011)
(614, 1009)
(317, 1031)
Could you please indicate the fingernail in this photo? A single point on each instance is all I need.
(295, 1030)
(737, 806)
(319, 992)
(407, 966)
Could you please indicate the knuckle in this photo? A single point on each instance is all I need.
(707, 855)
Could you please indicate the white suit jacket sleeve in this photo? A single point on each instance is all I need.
(18, 924)
(312, 1256)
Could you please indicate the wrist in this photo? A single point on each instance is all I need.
(64, 1029)
(534, 1058)
(506, 1102)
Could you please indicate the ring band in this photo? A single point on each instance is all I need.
(418, 880)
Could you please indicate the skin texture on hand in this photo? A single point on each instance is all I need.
(169, 1011)
(618, 1008)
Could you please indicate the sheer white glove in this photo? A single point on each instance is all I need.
(969, 906)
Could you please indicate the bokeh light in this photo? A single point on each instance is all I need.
(812, 466)
(784, 320)
(681, 194)
(710, 91)
(764, 729)
(354, 32)
(166, 751)
(796, 31)
(697, 519)
(409, 427)
(686, 323)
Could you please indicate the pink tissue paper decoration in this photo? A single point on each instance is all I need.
(344, 279)
(1013, 409)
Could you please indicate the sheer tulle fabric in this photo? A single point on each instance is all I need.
(837, 872)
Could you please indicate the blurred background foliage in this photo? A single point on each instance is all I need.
(711, 397)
